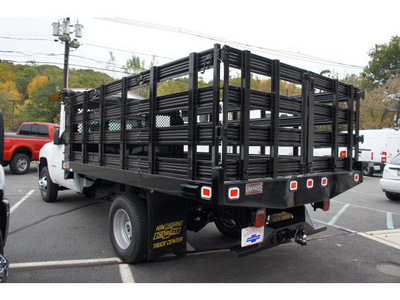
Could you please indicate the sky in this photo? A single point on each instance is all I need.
(313, 35)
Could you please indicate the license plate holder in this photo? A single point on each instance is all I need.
(252, 235)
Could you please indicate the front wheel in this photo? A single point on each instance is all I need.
(20, 163)
(128, 228)
(48, 189)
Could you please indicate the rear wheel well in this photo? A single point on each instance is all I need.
(24, 150)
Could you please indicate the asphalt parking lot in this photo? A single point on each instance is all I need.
(67, 242)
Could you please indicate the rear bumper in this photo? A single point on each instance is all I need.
(3, 268)
(279, 193)
(390, 185)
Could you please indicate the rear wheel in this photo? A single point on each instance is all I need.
(226, 221)
(368, 171)
(128, 228)
(393, 196)
(48, 189)
(20, 163)
(228, 227)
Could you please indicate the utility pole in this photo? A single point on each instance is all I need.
(62, 31)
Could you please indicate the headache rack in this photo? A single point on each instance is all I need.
(240, 119)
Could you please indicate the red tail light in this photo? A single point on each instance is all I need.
(343, 153)
(384, 157)
(326, 205)
(206, 192)
(261, 217)
(310, 183)
(234, 193)
(356, 177)
(372, 155)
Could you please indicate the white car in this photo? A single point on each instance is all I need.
(390, 182)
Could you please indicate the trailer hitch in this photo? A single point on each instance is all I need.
(300, 237)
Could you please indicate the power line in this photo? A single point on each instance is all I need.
(88, 44)
(59, 54)
(288, 54)
(56, 63)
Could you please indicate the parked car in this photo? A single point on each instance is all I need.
(4, 209)
(24, 146)
(390, 182)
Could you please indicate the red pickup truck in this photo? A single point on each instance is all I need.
(24, 146)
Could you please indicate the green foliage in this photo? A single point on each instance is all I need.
(23, 80)
(87, 79)
(134, 65)
(352, 79)
(16, 82)
(384, 64)
(6, 108)
(38, 108)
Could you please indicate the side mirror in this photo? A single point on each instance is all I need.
(57, 139)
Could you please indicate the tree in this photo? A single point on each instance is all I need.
(6, 108)
(6, 72)
(352, 79)
(384, 64)
(23, 79)
(38, 108)
(134, 65)
(378, 109)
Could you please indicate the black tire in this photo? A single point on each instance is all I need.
(127, 223)
(368, 171)
(1, 243)
(392, 196)
(228, 227)
(48, 189)
(20, 163)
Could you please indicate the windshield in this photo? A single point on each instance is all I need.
(396, 160)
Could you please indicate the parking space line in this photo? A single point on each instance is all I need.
(15, 206)
(126, 274)
(64, 263)
(389, 220)
(340, 212)
(336, 226)
(364, 207)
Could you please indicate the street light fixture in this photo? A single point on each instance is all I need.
(62, 31)
(325, 72)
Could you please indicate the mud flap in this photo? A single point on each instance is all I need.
(283, 232)
(167, 221)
